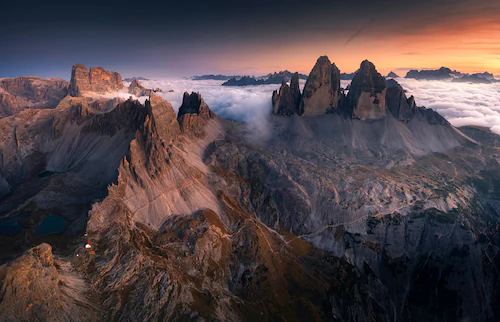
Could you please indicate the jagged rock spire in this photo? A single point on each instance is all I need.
(288, 100)
(366, 99)
(322, 89)
(96, 80)
(400, 107)
(193, 114)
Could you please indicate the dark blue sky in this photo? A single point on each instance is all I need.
(182, 38)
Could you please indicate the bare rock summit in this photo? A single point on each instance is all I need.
(96, 80)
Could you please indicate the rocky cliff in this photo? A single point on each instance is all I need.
(400, 107)
(193, 114)
(288, 100)
(366, 99)
(36, 286)
(18, 94)
(135, 88)
(96, 80)
(322, 88)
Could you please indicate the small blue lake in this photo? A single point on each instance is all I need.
(11, 225)
(52, 224)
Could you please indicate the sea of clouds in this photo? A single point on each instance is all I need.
(460, 103)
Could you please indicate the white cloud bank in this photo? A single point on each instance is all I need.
(460, 103)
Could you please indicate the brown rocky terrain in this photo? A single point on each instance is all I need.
(96, 80)
(18, 94)
(322, 89)
(137, 89)
(333, 218)
(288, 100)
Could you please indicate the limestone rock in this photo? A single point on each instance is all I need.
(288, 100)
(97, 80)
(32, 288)
(367, 95)
(193, 114)
(322, 89)
(9, 105)
(102, 80)
(79, 80)
(20, 93)
(162, 121)
(397, 103)
(137, 89)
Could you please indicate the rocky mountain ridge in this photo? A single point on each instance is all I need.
(333, 217)
(18, 94)
(369, 97)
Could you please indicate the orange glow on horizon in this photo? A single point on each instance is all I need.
(471, 45)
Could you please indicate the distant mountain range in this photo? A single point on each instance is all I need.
(347, 76)
(214, 77)
(275, 78)
(444, 73)
(131, 79)
(240, 80)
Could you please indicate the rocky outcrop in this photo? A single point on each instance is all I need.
(482, 135)
(102, 80)
(400, 107)
(322, 88)
(392, 75)
(366, 99)
(288, 100)
(9, 105)
(34, 288)
(193, 114)
(18, 94)
(137, 89)
(96, 80)
(79, 80)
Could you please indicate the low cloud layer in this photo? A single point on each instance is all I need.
(250, 104)
(460, 103)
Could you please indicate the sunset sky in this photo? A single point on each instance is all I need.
(247, 37)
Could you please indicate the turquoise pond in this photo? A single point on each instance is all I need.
(11, 225)
(53, 224)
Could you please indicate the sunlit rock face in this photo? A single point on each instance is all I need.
(322, 89)
(366, 99)
(97, 80)
(18, 94)
(36, 286)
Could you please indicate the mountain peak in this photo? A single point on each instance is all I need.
(96, 80)
(366, 99)
(288, 100)
(193, 114)
(322, 88)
